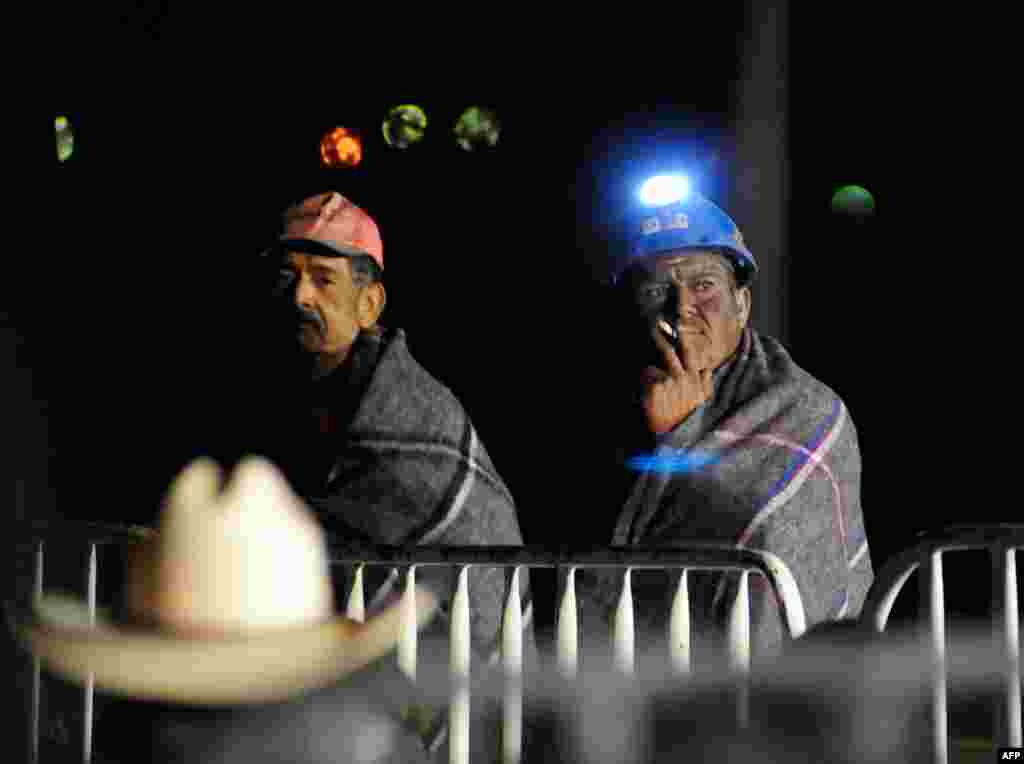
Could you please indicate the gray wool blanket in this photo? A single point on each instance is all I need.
(406, 466)
(400, 463)
(770, 462)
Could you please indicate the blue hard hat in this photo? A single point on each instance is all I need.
(694, 222)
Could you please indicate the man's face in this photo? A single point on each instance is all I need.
(693, 292)
(323, 302)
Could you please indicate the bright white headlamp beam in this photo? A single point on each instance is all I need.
(664, 189)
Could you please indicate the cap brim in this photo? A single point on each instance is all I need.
(229, 671)
(315, 248)
(742, 259)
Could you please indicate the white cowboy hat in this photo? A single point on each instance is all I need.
(229, 603)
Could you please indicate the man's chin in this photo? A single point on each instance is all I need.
(653, 373)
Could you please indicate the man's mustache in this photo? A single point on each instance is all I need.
(308, 317)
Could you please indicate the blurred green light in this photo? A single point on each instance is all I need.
(477, 128)
(853, 200)
(404, 126)
(65, 139)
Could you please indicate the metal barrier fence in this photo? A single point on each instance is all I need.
(684, 559)
(1002, 542)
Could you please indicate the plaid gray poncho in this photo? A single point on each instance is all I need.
(406, 466)
(770, 462)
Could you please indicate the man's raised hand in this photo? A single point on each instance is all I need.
(668, 398)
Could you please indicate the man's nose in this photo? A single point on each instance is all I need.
(681, 302)
(303, 294)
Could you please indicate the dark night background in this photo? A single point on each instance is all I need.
(192, 131)
(126, 342)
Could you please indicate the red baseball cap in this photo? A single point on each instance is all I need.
(329, 225)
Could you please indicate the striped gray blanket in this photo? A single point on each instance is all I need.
(410, 468)
(402, 464)
(770, 462)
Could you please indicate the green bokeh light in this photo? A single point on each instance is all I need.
(477, 128)
(404, 126)
(853, 200)
(65, 139)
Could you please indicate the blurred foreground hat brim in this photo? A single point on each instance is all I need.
(229, 603)
(215, 671)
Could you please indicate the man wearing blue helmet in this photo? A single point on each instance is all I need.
(728, 440)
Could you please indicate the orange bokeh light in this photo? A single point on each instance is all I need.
(341, 148)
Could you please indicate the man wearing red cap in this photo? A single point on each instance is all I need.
(380, 449)
(331, 267)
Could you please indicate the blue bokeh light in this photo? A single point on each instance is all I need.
(674, 462)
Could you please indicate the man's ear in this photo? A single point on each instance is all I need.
(372, 299)
(743, 302)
